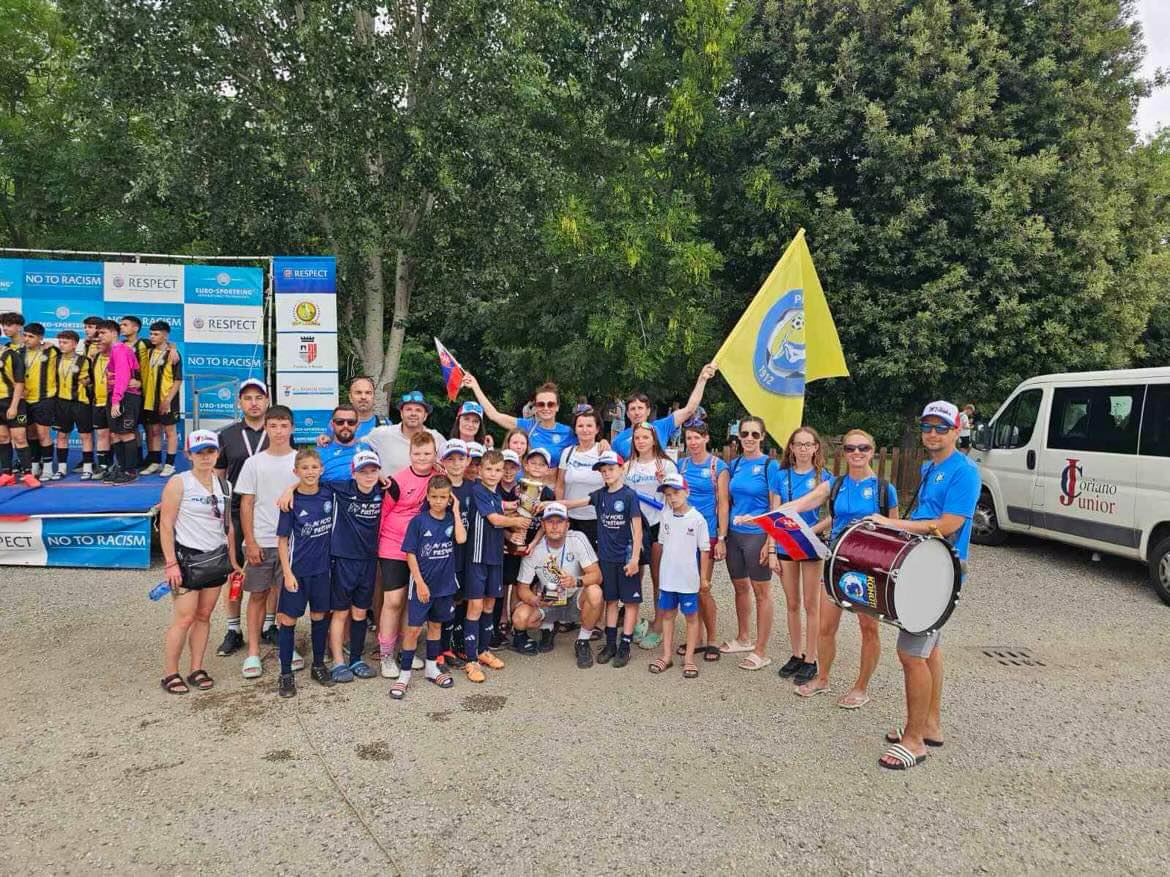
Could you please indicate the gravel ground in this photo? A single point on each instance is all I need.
(548, 769)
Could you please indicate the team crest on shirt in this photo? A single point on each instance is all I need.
(690, 531)
(811, 483)
(450, 530)
(569, 558)
(619, 506)
(756, 470)
(867, 492)
(327, 507)
(939, 477)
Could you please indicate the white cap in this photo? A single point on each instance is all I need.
(511, 456)
(454, 446)
(555, 510)
(365, 457)
(608, 458)
(943, 410)
(673, 479)
(201, 439)
(251, 383)
(542, 452)
(474, 450)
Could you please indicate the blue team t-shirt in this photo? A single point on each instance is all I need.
(432, 542)
(553, 440)
(703, 481)
(949, 488)
(463, 498)
(793, 485)
(356, 518)
(856, 500)
(337, 460)
(665, 427)
(308, 526)
(615, 515)
(751, 482)
(487, 540)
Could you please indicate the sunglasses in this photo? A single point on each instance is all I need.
(545, 405)
(215, 507)
(940, 428)
(858, 449)
(750, 433)
(694, 422)
(344, 421)
(413, 396)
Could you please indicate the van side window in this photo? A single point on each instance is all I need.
(1102, 419)
(1013, 428)
(1156, 421)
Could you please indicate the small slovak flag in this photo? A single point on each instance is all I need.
(452, 371)
(793, 536)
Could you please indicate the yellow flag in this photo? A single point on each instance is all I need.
(784, 339)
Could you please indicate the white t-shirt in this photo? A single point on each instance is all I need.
(393, 448)
(643, 478)
(573, 556)
(964, 425)
(266, 476)
(197, 525)
(580, 479)
(682, 537)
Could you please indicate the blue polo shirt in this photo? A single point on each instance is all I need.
(487, 540)
(751, 482)
(949, 488)
(665, 427)
(308, 526)
(337, 460)
(615, 516)
(703, 481)
(793, 485)
(856, 500)
(356, 518)
(432, 542)
(553, 440)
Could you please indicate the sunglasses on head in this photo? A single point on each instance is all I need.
(858, 449)
(694, 422)
(345, 421)
(750, 433)
(940, 428)
(412, 396)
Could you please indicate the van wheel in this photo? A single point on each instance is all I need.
(984, 523)
(1160, 569)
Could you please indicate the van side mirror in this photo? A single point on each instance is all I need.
(981, 437)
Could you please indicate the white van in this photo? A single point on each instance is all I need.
(1083, 458)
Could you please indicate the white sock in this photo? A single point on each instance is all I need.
(404, 677)
(432, 669)
(548, 625)
(87, 467)
(62, 468)
(584, 633)
(269, 621)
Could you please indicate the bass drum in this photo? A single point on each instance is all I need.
(902, 578)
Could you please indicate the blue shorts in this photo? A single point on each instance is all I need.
(353, 583)
(616, 585)
(483, 581)
(668, 601)
(313, 591)
(437, 609)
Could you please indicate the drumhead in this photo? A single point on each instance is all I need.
(926, 585)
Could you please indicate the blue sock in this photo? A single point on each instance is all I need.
(471, 638)
(611, 637)
(434, 649)
(627, 638)
(319, 632)
(357, 639)
(487, 627)
(406, 659)
(284, 646)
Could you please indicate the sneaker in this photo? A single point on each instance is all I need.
(253, 667)
(790, 666)
(150, 470)
(86, 476)
(606, 654)
(547, 640)
(596, 634)
(268, 635)
(30, 481)
(166, 471)
(491, 661)
(57, 476)
(288, 685)
(808, 670)
(584, 654)
(320, 674)
(78, 469)
(390, 668)
(233, 641)
(7, 479)
(524, 646)
(623, 655)
(341, 673)
(640, 630)
(121, 478)
(298, 663)
(450, 661)
(362, 670)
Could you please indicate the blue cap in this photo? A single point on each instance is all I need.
(414, 397)
(470, 407)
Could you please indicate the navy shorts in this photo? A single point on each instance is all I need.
(483, 580)
(437, 609)
(617, 586)
(353, 583)
(668, 601)
(313, 591)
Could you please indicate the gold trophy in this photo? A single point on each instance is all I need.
(554, 594)
(528, 493)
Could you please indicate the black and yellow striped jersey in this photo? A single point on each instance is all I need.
(11, 371)
(73, 377)
(161, 374)
(40, 373)
(89, 349)
(101, 386)
(142, 351)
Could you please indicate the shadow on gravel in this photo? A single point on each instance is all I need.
(233, 709)
(484, 703)
(379, 750)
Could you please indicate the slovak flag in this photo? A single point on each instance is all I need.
(793, 536)
(452, 371)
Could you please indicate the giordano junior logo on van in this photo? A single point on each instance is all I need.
(1086, 493)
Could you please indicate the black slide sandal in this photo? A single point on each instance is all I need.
(174, 684)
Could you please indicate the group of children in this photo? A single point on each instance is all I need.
(72, 383)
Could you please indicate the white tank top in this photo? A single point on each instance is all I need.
(580, 479)
(197, 527)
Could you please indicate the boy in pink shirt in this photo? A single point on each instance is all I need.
(125, 391)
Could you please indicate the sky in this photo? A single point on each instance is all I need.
(1155, 18)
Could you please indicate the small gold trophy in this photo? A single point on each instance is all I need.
(554, 594)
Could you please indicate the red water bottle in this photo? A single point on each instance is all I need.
(235, 584)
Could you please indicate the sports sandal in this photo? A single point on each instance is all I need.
(710, 653)
(174, 684)
(658, 665)
(201, 679)
(754, 662)
(253, 668)
(904, 759)
(690, 671)
(491, 661)
(895, 736)
(443, 680)
(474, 671)
(398, 690)
(809, 690)
(734, 647)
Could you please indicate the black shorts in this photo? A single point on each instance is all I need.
(100, 416)
(71, 414)
(395, 573)
(127, 421)
(19, 420)
(964, 441)
(167, 418)
(649, 539)
(43, 413)
(589, 528)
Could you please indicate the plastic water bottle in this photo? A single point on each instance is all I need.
(159, 591)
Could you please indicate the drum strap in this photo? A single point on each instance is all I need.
(918, 492)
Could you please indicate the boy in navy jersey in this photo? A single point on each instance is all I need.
(430, 546)
(485, 564)
(303, 546)
(619, 545)
(455, 459)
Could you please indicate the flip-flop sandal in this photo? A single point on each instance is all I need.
(754, 662)
(734, 647)
(398, 690)
(690, 671)
(174, 684)
(660, 666)
(202, 680)
(443, 680)
(896, 737)
(711, 653)
(808, 690)
(905, 759)
(856, 705)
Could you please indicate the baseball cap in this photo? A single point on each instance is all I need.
(414, 397)
(470, 407)
(943, 410)
(201, 439)
(253, 384)
(673, 479)
(555, 510)
(454, 446)
(542, 452)
(474, 450)
(510, 456)
(365, 458)
(608, 458)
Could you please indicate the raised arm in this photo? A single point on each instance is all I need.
(687, 411)
(493, 413)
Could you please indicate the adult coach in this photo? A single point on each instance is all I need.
(638, 409)
(392, 442)
(943, 506)
(361, 397)
(337, 455)
(542, 429)
(243, 439)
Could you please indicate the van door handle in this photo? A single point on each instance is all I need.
(1031, 460)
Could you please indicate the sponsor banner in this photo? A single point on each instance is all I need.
(115, 541)
(299, 274)
(308, 390)
(308, 424)
(216, 285)
(58, 315)
(207, 365)
(10, 304)
(306, 351)
(49, 280)
(139, 282)
(307, 312)
(224, 324)
(11, 283)
(149, 312)
(21, 543)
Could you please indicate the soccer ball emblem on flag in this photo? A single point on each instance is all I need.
(780, 350)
